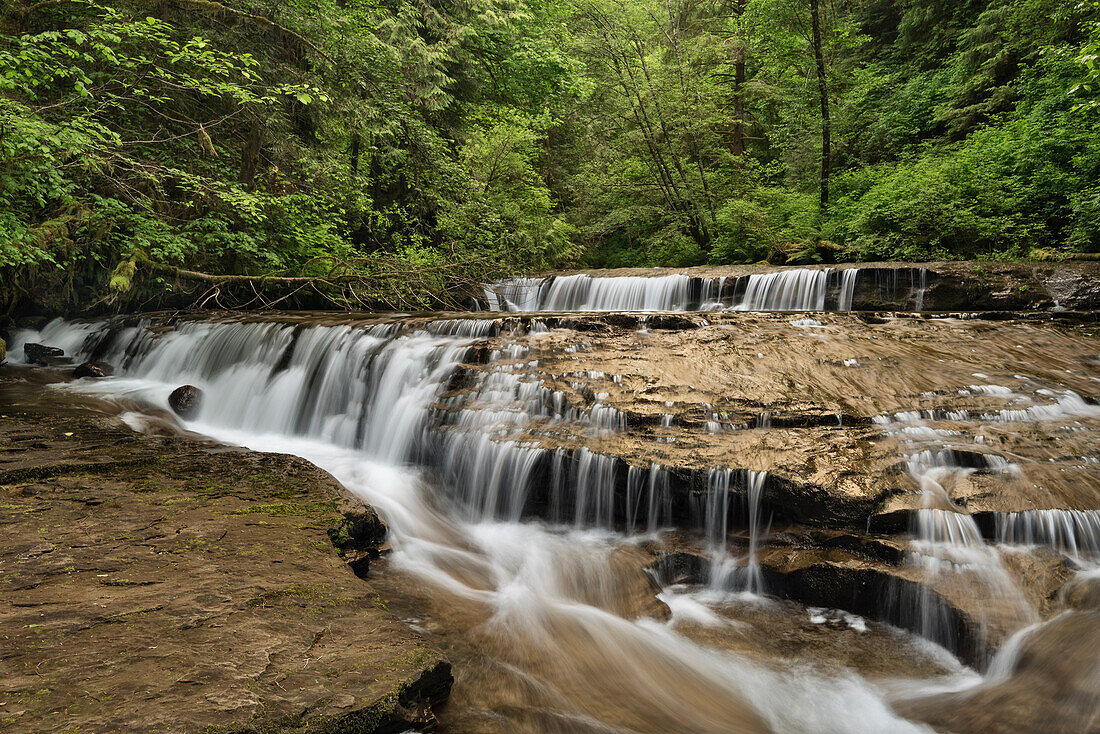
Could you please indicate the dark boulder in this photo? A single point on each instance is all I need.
(670, 322)
(94, 369)
(41, 354)
(186, 401)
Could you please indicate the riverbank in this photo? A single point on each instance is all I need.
(171, 584)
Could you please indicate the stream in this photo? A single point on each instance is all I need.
(751, 521)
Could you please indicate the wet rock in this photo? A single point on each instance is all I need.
(34, 490)
(678, 567)
(360, 537)
(1048, 684)
(3, 350)
(835, 580)
(185, 400)
(93, 369)
(1082, 592)
(670, 322)
(282, 632)
(360, 530)
(622, 320)
(40, 353)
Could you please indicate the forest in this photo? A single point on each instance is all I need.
(387, 153)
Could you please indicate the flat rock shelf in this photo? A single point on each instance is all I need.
(169, 584)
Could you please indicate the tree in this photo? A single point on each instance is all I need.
(823, 94)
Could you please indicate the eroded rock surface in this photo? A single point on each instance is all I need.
(154, 584)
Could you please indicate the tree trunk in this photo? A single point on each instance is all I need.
(823, 90)
(739, 99)
(250, 153)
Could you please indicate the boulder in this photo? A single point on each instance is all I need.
(41, 353)
(94, 369)
(1046, 684)
(186, 401)
(1082, 592)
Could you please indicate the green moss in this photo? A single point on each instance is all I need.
(280, 509)
(317, 595)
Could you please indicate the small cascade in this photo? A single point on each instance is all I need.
(848, 289)
(1073, 532)
(647, 491)
(726, 572)
(947, 544)
(585, 293)
(658, 499)
(593, 490)
(895, 287)
(368, 387)
(710, 298)
(922, 288)
(788, 290)
(516, 294)
(792, 289)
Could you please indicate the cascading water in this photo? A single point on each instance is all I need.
(791, 290)
(796, 289)
(949, 550)
(948, 545)
(585, 293)
(449, 455)
(727, 572)
(1074, 532)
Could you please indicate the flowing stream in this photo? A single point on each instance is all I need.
(560, 629)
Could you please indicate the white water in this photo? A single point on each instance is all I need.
(1073, 532)
(585, 293)
(745, 487)
(794, 289)
(947, 546)
(358, 403)
(788, 290)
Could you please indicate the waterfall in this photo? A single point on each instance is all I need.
(947, 546)
(726, 572)
(382, 390)
(517, 294)
(848, 289)
(441, 437)
(585, 293)
(789, 290)
(1073, 532)
(794, 289)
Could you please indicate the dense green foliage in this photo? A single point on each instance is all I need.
(391, 151)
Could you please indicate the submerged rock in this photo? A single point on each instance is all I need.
(1082, 592)
(1045, 682)
(41, 353)
(185, 400)
(93, 369)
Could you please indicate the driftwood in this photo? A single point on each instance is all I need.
(348, 285)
